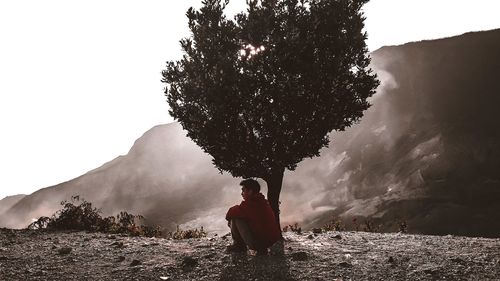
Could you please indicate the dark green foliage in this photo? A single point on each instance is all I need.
(84, 217)
(274, 108)
(262, 92)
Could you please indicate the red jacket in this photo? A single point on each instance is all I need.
(260, 217)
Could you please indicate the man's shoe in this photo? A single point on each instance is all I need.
(236, 248)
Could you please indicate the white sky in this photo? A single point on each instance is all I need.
(80, 80)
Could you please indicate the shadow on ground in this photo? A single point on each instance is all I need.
(245, 267)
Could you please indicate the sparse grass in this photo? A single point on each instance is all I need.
(367, 226)
(187, 234)
(335, 224)
(78, 214)
(403, 226)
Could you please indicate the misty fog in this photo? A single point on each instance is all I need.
(426, 152)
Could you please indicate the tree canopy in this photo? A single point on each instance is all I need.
(262, 92)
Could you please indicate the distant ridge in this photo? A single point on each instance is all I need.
(484, 34)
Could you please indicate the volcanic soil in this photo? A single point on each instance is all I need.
(44, 255)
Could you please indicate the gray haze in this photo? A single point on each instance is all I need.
(9, 201)
(425, 152)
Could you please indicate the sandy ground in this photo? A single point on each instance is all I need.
(40, 255)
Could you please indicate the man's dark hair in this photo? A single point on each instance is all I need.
(251, 184)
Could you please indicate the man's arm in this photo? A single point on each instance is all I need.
(237, 211)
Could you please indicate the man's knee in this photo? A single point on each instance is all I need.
(240, 224)
(243, 229)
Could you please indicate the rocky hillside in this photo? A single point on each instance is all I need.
(426, 153)
(33, 255)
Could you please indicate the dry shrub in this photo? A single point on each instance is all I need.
(293, 228)
(187, 234)
(403, 226)
(367, 226)
(78, 214)
(335, 224)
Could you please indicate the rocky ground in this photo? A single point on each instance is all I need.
(40, 255)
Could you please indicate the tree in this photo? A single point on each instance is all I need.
(262, 92)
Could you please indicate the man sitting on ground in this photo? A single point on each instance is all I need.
(252, 223)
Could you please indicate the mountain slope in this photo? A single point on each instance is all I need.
(156, 178)
(428, 148)
(7, 202)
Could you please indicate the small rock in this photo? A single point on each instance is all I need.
(345, 264)
(289, 249)
(118, 244)
(337, 237)
(29, 270)
(317, 230)
(86, 239)
(64, 250)
(111, 237)
(38, 272)
(189, 262)
(164, 278)
(120, 258)
(135, 263)
(299, 256)
(278, 248)
(209, 256)
(310, 236)
(391, 260)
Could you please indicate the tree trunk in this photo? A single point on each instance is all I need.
(274, 182)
